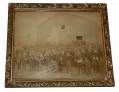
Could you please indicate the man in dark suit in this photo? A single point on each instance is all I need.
(61, 64)
(18, 62)
(94, 64)
(97, 65)
(24, 60)
(87, 66)
(69, 60)
(31, 59)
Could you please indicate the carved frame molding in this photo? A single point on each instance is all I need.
(34, 6)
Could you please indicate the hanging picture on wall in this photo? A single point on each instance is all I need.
(58, 45)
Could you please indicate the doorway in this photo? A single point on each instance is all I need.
(79, 37)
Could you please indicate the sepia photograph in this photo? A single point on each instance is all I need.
(58, 46)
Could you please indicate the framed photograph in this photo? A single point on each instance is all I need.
(58, 45)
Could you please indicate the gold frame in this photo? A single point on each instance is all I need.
(65, 7)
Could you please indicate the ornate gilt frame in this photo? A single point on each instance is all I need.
(36, 6)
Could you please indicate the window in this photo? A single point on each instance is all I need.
(79, 37)
(62, 26)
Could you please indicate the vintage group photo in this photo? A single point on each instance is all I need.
(58, 46)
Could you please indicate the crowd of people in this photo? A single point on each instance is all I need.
(86, 58)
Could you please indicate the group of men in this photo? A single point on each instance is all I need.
(86, 58)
